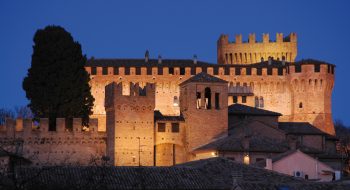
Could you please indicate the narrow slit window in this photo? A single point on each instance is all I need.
(217, 101)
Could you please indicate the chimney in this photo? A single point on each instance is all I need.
(268, 164)
(159, 59)
(194, 59)
(146, 56)
(270, 60)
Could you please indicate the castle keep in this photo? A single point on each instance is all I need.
(167, 111)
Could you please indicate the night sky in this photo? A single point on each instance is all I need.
(176, 29)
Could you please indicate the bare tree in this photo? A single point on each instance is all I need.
(343, 133)
(23, 112)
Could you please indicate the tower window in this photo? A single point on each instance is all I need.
(227, 70)
(300, 105)
(269, 71)
(149, 70)
(207, 97)
(127, 70)
(138, 70)
(237, 71)
(161, 127)
(104, 70)
(93, 71)
(256, 101)
(217, 101)
(175, 127)
(235, 99)
(248, 71)
(259, 71)
(261, 102)
(198, 101)
(160, 70)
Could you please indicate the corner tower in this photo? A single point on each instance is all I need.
(130, 124)
(203, 103)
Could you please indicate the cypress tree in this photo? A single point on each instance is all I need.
(57, 85)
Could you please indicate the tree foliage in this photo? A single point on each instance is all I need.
(57, 84)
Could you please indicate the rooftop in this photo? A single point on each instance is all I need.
(203, 78)
(303, 128)
(240, 109)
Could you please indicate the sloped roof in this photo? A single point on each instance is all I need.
(303, 128)
(158, 116)
(256, 144)
(203, 78)
(240, 109)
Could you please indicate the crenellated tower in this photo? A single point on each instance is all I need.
(239, 52)
(311, 84)
(130, 124)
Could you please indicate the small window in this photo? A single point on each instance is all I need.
(298, 68)
(161, 127)
(300, 105)
(116, 71)
(104, 70)
(138, 70)
(175, 127)
(259, 71)
(93, 70)
(171, 70)
(317, 68)
(244, 99)
(182, 71)
(235, 99)
(217, 101)
(248, 71)
(237, 71)
(175, 101)
(198, 101)
(269, 71)
(127, 70)
(280, 71)
(256, 101)
(261, 102)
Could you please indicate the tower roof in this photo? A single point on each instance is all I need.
(203, 78)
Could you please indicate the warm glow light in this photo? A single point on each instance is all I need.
(214, 154)
(246, 159)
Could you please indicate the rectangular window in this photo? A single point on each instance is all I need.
(138, 70)
(259, 71)
(104, 70)
(298, 68)
(182, 71)
(93, 70)
(175, 128)
(115, 70)
(161, 127)
(248, 71)
(235, 99)
(216, 70)
(217, 100)
(127, 70)
(149, 70)
(171, 70)
(317, 68)
(160, 70)
(244, 99)
(280, 71)
(269, 71)
(227, 70)
(237, 71)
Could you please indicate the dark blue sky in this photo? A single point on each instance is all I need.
(174, 29)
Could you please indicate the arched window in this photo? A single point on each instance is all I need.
(198, 102)
(207, 96)
(261, 102)
(176, 101)
(256, 101)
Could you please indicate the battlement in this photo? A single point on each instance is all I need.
(253, 51)
(280, 38)
(26, 128)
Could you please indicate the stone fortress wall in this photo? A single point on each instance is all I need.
(300, 91)
(44, 147)
(239, 52)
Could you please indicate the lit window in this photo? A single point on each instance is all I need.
(176, 101)
(246, 159)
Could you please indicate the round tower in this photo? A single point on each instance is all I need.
(311, 83)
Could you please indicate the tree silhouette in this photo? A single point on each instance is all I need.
(57, 84)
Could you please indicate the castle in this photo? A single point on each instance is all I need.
(160, 112)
